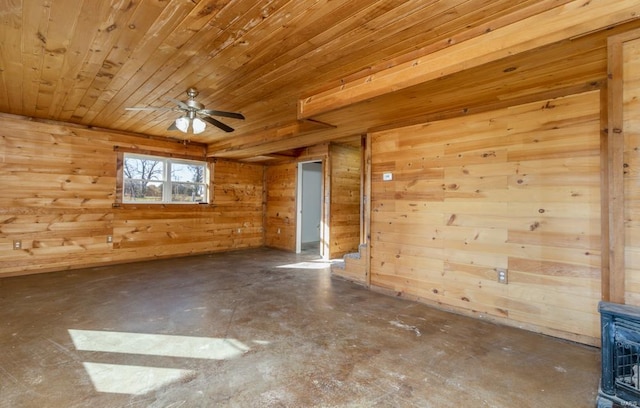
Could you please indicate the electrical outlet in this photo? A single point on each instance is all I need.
(109, 239)
(278, 230)
(502, 275)
(387, 176)
(17, 244)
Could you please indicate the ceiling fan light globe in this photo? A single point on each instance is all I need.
(199, 126)
(182, 123)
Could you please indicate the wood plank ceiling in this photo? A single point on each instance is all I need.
(84, 61)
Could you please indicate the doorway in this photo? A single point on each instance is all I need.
(309, 208)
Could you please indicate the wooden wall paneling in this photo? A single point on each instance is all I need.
(561, 172)
(356, 265)
(281, 184)
(344, 217)
(60, 184)
(235, 183)
(516, 188)
(238, 196)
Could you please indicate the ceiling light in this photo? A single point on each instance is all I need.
(198, 126)
(182, 123)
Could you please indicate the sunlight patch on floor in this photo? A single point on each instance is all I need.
(316, 264)
(134, 380)
(157, 344)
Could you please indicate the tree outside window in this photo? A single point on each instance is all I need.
(187, 181)
(146, 180)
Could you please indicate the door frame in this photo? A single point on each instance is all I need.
(323, 221)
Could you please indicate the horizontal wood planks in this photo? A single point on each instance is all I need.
(280, 223)
(355, 266)
(59, 184)
(515, 189)
(281, 184)
(344, 217)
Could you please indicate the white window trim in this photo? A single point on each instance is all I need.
(167, 183)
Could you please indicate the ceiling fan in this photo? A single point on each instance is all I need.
(195, 116)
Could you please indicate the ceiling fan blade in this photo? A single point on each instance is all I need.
(181, 104)
(217, 124)
(222, 113)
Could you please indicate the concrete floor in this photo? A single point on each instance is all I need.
(264, 328)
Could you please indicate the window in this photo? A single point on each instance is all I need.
(153, 179)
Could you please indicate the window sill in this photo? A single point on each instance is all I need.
(147, 206)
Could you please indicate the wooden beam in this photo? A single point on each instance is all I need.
(570, 20)
(266, 158)
(613, 285)
(491, 106)
(605, 272)
(228, 147)
(366, 198)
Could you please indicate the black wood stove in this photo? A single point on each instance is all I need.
(620, 381)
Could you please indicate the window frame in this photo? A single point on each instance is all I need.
(166, 160)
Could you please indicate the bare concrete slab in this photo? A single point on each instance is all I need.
(264, 328)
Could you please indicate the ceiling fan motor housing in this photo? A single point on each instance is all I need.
(195, 115)
(194, 105)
